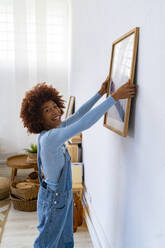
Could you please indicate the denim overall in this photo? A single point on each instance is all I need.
(55, 209)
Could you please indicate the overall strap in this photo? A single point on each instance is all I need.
(62, 182)
(39, 160)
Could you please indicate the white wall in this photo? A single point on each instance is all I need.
(30, 52)
(125, 177)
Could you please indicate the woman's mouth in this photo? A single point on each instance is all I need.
(56, 118)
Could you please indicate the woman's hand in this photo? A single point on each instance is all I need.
(104, 87)
(127, 90)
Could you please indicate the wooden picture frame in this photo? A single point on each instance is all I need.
(70, 107)
(122, 68)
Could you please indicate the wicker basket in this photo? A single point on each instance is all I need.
(24, 205)
(4, 188)
(25, 193)
(33, 177)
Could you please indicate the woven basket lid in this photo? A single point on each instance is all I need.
(24, 185)
(4, 184)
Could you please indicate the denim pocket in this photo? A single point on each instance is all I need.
(59, 201)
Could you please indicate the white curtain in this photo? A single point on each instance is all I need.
(33, 48)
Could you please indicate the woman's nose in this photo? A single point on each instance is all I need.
(57, 111)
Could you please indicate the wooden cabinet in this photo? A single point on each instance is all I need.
(75, 151)
(77, 205)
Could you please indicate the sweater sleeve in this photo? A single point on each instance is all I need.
(82, 110)
(58, 136)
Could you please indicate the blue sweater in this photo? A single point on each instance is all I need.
(51, 141)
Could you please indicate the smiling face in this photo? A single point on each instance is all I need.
(51, 115)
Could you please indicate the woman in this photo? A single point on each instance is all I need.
(41, 112)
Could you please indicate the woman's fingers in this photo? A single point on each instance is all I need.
(132, 91)
(132, 86)
(132, 94)
(127, 90)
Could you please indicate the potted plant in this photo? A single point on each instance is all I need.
(32, 154)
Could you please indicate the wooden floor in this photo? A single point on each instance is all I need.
(21, 227)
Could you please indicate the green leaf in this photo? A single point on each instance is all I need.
(33, 149)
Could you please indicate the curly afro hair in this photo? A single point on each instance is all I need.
(31, 106)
